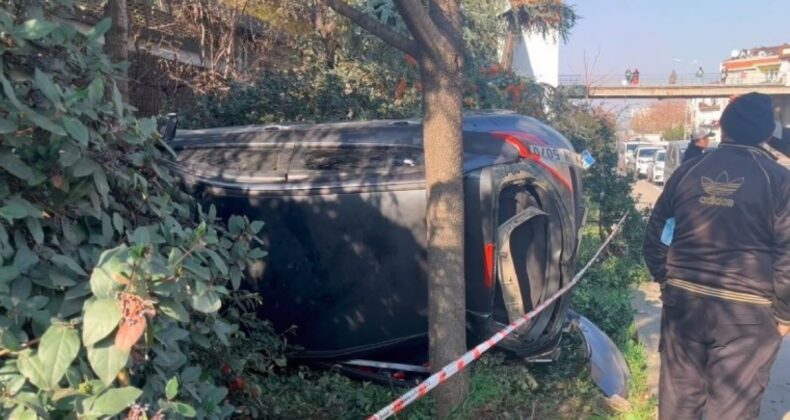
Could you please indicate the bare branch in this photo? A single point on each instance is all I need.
(375, 27)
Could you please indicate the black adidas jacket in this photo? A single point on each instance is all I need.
(732, 226)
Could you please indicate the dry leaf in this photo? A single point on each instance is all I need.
(120, 278)
(134, 322)
(129, 333)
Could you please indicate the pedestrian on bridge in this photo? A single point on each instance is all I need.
(628, 76)
(724, 270)
(673, 78)
(635, 77)
(700, 75)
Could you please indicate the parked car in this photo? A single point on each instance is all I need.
(643, 157)
(625, 155)
(655, 172)
(344, 206)
(675, 152)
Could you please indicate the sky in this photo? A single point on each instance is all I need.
(654, 35)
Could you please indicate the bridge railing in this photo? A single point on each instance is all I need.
(681, 79)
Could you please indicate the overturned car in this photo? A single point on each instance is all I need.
(344, 206)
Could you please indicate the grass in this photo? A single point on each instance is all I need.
(501, 387)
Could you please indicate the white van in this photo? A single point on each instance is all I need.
(643, 158)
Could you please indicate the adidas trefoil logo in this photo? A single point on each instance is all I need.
(719, 190)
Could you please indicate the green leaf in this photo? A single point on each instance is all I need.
(141, 236)
(11, 163)
(84, 167)
(100, 180)
(197, 269)
(117, 222)
(68, 262)
(256, 226)
(191, 374)
(174, 310)
(15, 385)
(96, 91)
(100, 29)
(147, 127)
(13, 211)
(34, 117)
(34, 29)
(171, 390)
(22, 412)
(47, 86)
(45, 123)
(216, 395)
(8, 273)
(107, 360)
(76, 130)
(34, 226)
(58, 348)
(117, 100)
(69, 154)
(235, 277)
(111, 263)
(115, 400)
(100, 319)
(185, 410)
(7, 126)
(207, 302)
(218, 261)
(256, 254)
(235, 225)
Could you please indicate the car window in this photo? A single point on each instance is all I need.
(661, 156)
(643, 153)
(348, 159)
(237, 160)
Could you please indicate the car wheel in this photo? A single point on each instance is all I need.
(536, 259)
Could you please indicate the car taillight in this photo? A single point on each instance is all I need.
(488, 265)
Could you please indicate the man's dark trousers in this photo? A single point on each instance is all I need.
(715, 354)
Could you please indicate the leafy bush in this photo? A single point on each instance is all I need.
(111, 278)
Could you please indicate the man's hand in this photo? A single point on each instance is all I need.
(783, 329)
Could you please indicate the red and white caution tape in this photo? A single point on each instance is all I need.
(458, 365)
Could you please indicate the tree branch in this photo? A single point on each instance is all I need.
(374, 26)
(434, 36)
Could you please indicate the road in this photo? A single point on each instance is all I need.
(647, 304)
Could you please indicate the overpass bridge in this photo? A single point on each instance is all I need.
(684, 86)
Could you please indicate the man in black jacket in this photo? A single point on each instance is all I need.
(718, 242)
(697, 145)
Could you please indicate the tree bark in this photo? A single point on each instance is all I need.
(442, 130)
(116, 42)
(439, 48)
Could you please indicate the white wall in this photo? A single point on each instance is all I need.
(537, 57)
(699, 117)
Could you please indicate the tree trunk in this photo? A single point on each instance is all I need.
(116, 41)
(442, 129)
(507, 53)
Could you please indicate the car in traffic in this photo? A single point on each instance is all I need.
(655, 172)
(625, 155)
(345, 207)
(643, 158)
